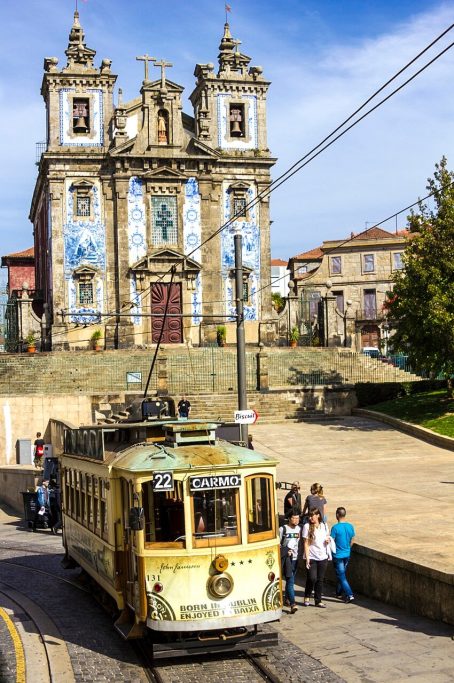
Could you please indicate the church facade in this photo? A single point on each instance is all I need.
(130, 201)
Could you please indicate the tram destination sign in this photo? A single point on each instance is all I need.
(219, 481)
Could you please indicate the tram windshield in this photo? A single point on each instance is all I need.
(216, 516)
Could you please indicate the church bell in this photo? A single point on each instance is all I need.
(236, 128)
(80, 125)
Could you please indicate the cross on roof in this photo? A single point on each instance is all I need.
(146, 58)
(236, 43)
(163, 65)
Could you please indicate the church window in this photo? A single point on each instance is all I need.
(85, 293)
(239, 206)
(237, 121)
(81, 115)
(164, 220)
(83, 207)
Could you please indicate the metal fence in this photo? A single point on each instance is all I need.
(208, 370)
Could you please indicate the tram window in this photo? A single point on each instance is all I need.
(260, 506)
(103, 509)
(215, 517)
(164, 515)
(89, 501)
(96, 520)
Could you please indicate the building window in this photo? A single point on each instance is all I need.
(81, 116)
(164, 219)
(239, 206)
(370, 304)
(397, 261)
(336, 265)
(236, 120)
(339, 301)
(85, 293)
(83, 206)
(368, 263)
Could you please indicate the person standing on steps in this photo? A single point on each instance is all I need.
(290, 535)
(343, 533)
(38, 450)
(184, 408)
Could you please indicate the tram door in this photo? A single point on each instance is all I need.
(129, 565)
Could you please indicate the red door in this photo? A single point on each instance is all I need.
(160, 293)
(370, 336)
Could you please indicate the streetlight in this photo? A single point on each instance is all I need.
(328, 285)
(385, 329)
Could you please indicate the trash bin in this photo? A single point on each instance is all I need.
(30, 508)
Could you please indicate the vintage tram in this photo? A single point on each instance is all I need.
(178, 526)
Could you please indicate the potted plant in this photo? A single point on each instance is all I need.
(294, 336)
(30, 340)
(95, 337)
(221, 334)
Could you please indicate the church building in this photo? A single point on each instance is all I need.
(131, 197)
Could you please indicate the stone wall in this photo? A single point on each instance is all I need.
(21, 416)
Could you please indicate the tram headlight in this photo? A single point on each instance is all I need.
(271, 576)
(220, 585)
(220, 563)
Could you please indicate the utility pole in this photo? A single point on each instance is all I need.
(240, 337)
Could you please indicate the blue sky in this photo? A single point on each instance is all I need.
(324, 57)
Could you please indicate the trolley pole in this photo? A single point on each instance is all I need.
(240, 337)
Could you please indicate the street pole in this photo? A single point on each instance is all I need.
(240, 337)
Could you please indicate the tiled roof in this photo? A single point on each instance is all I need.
(312, 254)
(278, 262)
(27, 253)
(373, 234)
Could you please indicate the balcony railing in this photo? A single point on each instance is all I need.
(370, 314)
(41, 147)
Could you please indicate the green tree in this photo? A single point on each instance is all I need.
(421, 306)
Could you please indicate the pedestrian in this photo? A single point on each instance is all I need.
(343, 534)
(315, 499)
(43, 496)
(184, 408)
(38, 450)
(290, 535)
(316, 541)
(250, 445)
(54, 505)
(293, 499)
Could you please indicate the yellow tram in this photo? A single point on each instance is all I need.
(178, 527)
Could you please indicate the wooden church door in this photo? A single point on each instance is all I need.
(160, 294)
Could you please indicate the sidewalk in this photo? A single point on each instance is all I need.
(398, 490)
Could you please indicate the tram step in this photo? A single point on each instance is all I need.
(127, 627)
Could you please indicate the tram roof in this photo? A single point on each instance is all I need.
(149, 457)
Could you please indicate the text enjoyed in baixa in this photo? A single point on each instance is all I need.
(220, 481)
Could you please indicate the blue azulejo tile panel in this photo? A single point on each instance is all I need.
(95, 136)
(251, 252)
(192, 232)
(85, 315)
(224, 139)
(84, 243)
(137, 231)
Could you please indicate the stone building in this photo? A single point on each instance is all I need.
(340, 288)
(22, 311)
(128, 196)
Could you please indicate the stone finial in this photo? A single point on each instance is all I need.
(230, 59)
(50, 63)
(79, 56)
(105, 66)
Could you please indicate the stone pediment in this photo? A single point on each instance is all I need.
(170, 86)
(164, 173)
(206, 149)
(85, 270)
(162, 260)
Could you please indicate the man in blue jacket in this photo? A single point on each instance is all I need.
(343, 534)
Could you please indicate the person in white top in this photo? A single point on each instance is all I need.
(290, 535)
(316, 541)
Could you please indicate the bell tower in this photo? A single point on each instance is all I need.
(79, 97)
(230, 106)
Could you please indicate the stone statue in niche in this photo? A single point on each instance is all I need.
(163, 135)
